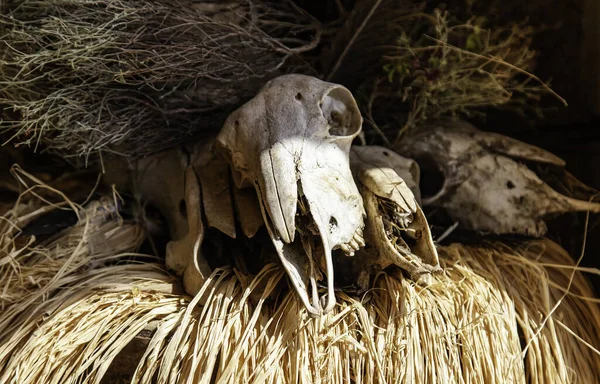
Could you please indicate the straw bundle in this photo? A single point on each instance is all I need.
(73, 306)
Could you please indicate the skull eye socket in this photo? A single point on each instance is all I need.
(341, 112)
(183, 208)
(432, 180)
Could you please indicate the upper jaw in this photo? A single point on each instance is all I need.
(310, 210)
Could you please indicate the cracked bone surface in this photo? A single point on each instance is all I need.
(478, 179)
(292, 142)
(397, 232)
(157, 180)
(168, 182)
(187, 250)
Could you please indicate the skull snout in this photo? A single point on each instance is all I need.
(277, 188)
(309, 211)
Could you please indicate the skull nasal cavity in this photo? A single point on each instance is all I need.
(341, 112)
(432, 178)
(332, 224)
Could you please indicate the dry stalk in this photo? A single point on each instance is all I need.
(89, 77)
(469, 325)
(73, 302)
(440, 67)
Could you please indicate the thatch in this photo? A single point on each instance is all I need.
(72, 302)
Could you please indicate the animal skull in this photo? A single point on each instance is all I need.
(188, 186)
(477, 178)
(396, 231)
(373, 156)
(292, 142)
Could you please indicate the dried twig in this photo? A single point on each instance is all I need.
(441, 67)
(138, 76)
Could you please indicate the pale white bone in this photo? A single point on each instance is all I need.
(292, 142)
(485, 187)
(397, 232)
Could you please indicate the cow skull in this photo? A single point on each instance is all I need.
(292, 143)
(477, 178)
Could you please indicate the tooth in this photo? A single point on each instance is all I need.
(354, 245)
(348, 249)
(345, 248)
(359, 239)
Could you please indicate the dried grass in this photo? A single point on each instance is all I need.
(92, 77)
(32, 270)
(440, 66)
(498, 313)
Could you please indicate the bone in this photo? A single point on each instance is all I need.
(248, 211)
(292, 143)
(156, 180)
(390, 230)
(481, 183)
(500, 143)
(381, 157)
(217, 199)
(184, 255)
(167, 182)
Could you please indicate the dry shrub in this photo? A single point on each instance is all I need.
(134, 77)
(418, 63)
(452, 68)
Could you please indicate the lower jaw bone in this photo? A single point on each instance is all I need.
(396, 228)
(307, 261)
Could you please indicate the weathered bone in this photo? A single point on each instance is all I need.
(381, 157)
(482, 185)
(397, 232)
(187, 250)
(213, 173)
(166, 181)
(157, 180)
(248, 211)
(292, 142)
(189, 186)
